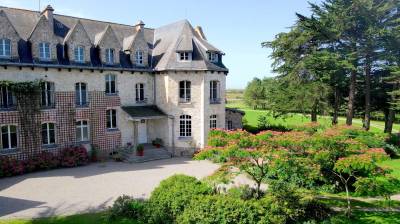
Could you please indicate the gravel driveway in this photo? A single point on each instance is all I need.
(88, 188)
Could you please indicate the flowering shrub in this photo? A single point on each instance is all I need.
(70, 157)
(74, 156)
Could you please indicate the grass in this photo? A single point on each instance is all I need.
(90, 218)
(394, 165)
(361, 217)
(298, 119)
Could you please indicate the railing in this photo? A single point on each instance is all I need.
(215, 100)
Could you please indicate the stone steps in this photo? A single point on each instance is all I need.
(149, 154)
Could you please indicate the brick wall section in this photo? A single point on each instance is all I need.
(64, 115)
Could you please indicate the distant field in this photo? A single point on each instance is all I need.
(235, 100)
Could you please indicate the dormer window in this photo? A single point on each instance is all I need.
(44, 51)
(5, 48)
(79, 53)
(139, 58)
(185, 56)
(213, 57)
(110, 56)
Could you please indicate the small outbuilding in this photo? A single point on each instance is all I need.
(233, 118)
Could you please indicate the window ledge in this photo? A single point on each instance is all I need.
(8, 151)
(112, 94)
(82, 106)
(13, 108)
(112, 129)
(48, 107)
(49, 146)
(83, 142)
(185, 139)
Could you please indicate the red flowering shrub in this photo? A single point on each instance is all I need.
(45, 161)
(10, 167)
(74, 156)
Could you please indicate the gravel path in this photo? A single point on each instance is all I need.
(88, 188)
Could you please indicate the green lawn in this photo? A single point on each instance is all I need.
(360, 217)
(298, 119)
(393, 164)
(91, 218)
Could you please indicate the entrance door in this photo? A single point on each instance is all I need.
(142, 132)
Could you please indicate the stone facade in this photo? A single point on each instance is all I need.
(234, 119)
(159, 77)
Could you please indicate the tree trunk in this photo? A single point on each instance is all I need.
(350, 104)
(389, 119)
(314, 113)
(336, 106)
(367, 71)
(258, 191)
(348, 212)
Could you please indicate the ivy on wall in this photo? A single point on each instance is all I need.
(28, 102)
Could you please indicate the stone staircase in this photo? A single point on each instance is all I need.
(150, 153)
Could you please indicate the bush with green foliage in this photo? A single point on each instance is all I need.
(171, 197)
(127, 207)
(221, 209)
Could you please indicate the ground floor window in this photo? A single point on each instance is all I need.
(185, 126)
(9, 137)
(111, 119)
(213, 121)
(48, 134)
(82, 131)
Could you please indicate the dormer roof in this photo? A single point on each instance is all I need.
(107, 32)
(76, 28)
(4, 17)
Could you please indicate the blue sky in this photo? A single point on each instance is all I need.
(237, 27)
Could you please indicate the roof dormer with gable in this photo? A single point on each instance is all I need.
(8, 32)
(137, 43)
(107, 39)
(78, 37)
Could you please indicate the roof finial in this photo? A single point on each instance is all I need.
(139, 25)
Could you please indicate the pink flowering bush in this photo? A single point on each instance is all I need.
(74, 156)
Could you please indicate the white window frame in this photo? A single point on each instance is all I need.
(109, 79)
(80, 125)
(79, 53)
(9, 133)
(185, 126)
(44, 51)
(5, 48)
(48, 131)
(8, 100)
(184, 56)
(109, 116)
(213, 121)
(47, 93)
(140, 95)
(187, 91)
(212, 56)
(79, 93)
(110, 57)
(139, 60)
(214, 95)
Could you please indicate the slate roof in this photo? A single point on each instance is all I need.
(163, 42)
(140, 112)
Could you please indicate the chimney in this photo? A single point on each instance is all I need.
(48, 12)
(139, 25)
(199, 32)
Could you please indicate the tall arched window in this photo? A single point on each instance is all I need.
(140, 93)
(7, 99)
(184, 91)
(214, 92)
(111, 87)
(5, 48)
(8, 137)
(81, 96)
(47, 92)
(185, 126)
(48, 134)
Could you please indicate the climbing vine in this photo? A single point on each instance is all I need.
(28, 100)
